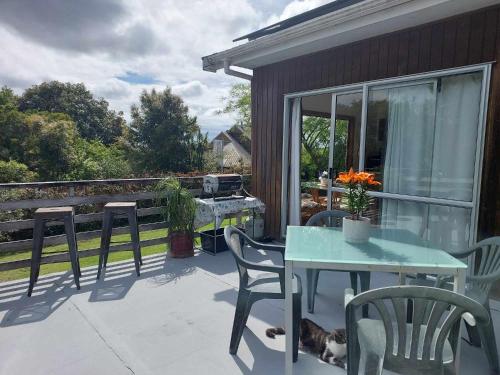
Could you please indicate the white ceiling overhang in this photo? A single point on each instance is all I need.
(357, 22)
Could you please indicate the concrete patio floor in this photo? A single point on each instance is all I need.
(175, 319)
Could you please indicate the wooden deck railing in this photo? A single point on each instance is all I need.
(88, 197)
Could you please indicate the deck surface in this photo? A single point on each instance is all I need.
(175, 319)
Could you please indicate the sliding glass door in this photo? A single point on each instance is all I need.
(421, 142)
(345, 132)
(422, 137)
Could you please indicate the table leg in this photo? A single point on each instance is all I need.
(289, 317)
(459, 287)
(402, 278)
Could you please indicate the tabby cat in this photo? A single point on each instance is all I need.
(329, 347)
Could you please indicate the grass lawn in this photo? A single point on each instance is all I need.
(21, 273)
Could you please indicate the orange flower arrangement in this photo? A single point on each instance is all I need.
(357, 184)
(352, 177)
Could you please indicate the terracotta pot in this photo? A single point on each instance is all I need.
(181, 245)
(356, 231)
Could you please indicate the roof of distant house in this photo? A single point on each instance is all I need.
(295, 20)
(238, 152)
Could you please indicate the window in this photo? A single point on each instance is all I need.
(422, 137)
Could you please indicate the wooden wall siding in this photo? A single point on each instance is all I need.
(462, 40)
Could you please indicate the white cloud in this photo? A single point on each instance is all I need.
(98, 41)
(189, 89)
(294, 8)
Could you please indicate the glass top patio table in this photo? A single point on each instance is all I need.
(387, 250)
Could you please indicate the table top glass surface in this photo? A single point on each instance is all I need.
(385, 247)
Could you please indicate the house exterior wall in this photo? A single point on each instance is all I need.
(463, 40)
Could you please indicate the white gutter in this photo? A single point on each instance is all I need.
(354, 23)
(235, 73)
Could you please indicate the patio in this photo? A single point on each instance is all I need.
(175, 318)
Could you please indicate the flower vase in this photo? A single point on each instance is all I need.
(356, 231)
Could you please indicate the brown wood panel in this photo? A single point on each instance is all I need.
(437, 40)
(348, 65)
(454, 42)
(424, 51)
(476, 37)
(373, 60)
(365, 60)
(462, 41)
(403, 52)
(490, 36)
(413, 45)
(392, 63)
(356, 63)
(271, 164)
(339, 79)
(450, 33)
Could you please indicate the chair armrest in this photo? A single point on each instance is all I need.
(485, 278)
(262, 246)
(280, 270)
(348, 296)
(463, 254)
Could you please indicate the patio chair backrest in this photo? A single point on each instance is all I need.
(235, 240)
(407, 344)
(332, 218)
(487, 269)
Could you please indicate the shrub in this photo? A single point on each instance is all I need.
(13, 171)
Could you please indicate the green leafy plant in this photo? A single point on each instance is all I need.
(178, 206)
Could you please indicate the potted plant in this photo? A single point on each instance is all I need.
(178, 209)
(355, 227)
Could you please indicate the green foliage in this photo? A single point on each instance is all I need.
(8, 98)
(316, 146)
(56, 147)
(357, 200)
(93, 118)
(178, 205)
(12, 171)
(163, 135)
(239, 102)
(58, 131)
(94, 160)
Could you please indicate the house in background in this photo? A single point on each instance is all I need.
(236, 149)
(411, 89)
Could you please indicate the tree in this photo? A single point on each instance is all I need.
(13, 132)
(315, 146)
(94, 160)
(56, 148)
(93, 118)
(315, 142)
(163, 135)
(8, 98)
(239, 102)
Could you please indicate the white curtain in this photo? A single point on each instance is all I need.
(454, 156)
(431, 149)
(408, 157)
(294, 193)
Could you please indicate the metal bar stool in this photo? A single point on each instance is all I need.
(42, 215)
(110, 210)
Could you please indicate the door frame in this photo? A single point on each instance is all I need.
(485, 69)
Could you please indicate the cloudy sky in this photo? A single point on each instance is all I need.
(120, 47)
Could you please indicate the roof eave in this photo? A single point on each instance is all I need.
(347, 25)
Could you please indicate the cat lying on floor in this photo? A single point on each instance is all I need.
(329, 347)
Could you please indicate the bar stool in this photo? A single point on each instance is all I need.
(42, 215)
(110, 210)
